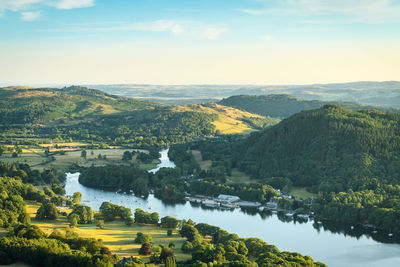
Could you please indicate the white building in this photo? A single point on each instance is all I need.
(228, 198)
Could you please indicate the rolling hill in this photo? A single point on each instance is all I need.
(24, 105)
(231, 120)
(79, 113)
(330, 149)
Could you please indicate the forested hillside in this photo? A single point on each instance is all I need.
(352, 158)
(329, 149)
(283, 106)
(79, 113)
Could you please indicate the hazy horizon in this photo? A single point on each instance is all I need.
(60, 85)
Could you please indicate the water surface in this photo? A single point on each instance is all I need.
(308, 238)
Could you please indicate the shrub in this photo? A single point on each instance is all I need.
(129, 221)
(146, 249)
(187, 247)
(100, 224)
(142, 238)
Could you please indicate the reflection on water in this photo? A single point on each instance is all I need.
(334, 244)
(331, 243)
(165, 162)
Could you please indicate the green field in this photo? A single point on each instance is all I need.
(15, 265)
(204, 164)
(31, 159)
(148, 166)
(238, 177)
(38, 159)
(301, 193)
(118, 237)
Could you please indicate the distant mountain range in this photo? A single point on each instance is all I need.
(282, 105)
(385, 93)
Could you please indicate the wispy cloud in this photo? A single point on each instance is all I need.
(159, 26)
(26, 5)
(364, 11)
(211, 33)
(188, 29)
(30, 16)
(70, 4)
(16, 5)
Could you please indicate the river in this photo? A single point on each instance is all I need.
(335, 248)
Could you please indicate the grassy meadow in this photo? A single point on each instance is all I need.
(117, 236)
(36, 158)
(204, 164)
(229, 119)
(239, 177)
(301, 193)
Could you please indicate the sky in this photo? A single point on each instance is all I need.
(198, 41)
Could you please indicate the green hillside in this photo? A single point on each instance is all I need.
(351, 158)
(40, 105)
(283, 106)
(330, 149)
(82, 114)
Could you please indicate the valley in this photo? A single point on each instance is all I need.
(323, 155)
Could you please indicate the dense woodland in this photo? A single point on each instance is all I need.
(156, 127)
(166, 183)
(378, 206)
(331, 149)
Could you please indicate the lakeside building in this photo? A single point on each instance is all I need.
(228, 198)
